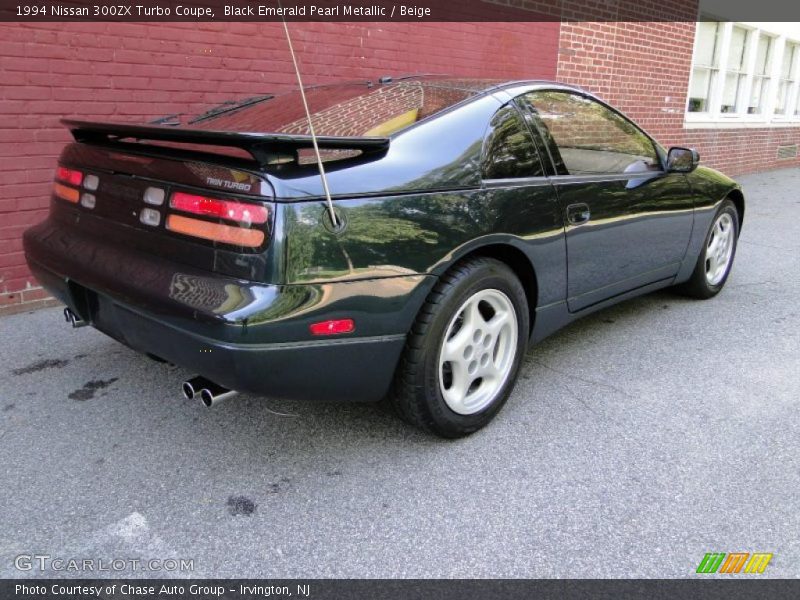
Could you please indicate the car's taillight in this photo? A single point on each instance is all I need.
(227, 234)
(70, 176)
(66, 193)
(214, 207)
(238, 232)
(221, 220)
(75, 179)
(91, 182)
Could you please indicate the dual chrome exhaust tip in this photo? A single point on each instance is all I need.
(207, 391)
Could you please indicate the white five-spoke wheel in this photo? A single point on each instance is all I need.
(465, 349)
(716, 257)
(478, 351)
(719, 249)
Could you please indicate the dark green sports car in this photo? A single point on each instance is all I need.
(466, 220)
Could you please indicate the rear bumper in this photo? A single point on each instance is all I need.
(245, 336)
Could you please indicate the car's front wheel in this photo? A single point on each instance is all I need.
(464, 351)
(716, 259)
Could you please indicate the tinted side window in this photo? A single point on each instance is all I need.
(509, 151)
(591, 138)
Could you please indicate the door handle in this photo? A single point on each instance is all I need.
(577, 214)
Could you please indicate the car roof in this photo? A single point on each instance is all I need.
(476, 88)
(477, 85)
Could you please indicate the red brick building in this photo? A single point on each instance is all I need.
(132, 71)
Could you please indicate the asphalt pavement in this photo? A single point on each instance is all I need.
(637, 440)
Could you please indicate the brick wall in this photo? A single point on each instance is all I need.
(130, 71)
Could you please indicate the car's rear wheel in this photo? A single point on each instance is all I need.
(464, 351)
(715, 261)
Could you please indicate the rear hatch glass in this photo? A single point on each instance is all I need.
(349, 110)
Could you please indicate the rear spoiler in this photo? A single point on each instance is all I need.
(261, 146)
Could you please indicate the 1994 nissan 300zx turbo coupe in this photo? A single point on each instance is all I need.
(466, 220)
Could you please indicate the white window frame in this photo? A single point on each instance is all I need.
(714, 117)
(750, 57)
(790, 116)
(715, 73)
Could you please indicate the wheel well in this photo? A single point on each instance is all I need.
(738, 199)
(522, 267)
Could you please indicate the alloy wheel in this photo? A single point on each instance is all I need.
(719, 249)
(478, 351)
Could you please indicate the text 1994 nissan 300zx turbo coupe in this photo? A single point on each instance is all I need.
(455, 222)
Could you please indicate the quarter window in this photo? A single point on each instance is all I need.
(591, 138)
(509, 150)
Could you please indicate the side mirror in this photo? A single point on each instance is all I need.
(682, 160)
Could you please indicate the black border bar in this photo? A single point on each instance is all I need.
(398, 10)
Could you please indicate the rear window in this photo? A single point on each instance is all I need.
(347, 109)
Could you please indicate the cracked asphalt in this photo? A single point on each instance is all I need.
(637, 440)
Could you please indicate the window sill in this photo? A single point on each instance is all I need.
(734, 123)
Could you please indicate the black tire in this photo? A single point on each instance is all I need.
(698, 285)
(416, 394)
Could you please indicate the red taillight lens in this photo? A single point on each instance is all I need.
(69, 176)
(333, 327)
(223, 209)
